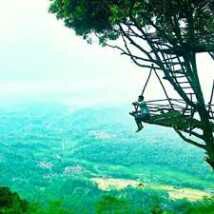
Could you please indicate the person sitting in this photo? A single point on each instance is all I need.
(140, 114)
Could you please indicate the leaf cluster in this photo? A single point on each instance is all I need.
(176, 18)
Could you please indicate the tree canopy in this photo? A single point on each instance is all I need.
(171, 20)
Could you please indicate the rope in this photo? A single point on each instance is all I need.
(165, 92)
(147, 81)
(210, 102)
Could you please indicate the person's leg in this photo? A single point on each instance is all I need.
(132, 113)
(139, 123)
(145, 117)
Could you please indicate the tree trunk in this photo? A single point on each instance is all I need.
(204, 114)
(208, 138)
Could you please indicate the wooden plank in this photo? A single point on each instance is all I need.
(186, 87)
(178, 71)
(182, 82)
(177, 76)
(167, 59)
(152, 101)
(175, 119)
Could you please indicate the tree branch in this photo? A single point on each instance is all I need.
(135, 44)
(212, 54)
(189, 140)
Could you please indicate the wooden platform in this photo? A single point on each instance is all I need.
(175, 119)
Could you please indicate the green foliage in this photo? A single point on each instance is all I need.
(104, 17)
(110, 204)
(202, 207)
(52, 208)
(11, 202)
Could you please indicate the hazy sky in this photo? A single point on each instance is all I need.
(40, 56)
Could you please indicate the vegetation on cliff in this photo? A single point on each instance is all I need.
(11, 203)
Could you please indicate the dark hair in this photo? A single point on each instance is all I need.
(141, 97)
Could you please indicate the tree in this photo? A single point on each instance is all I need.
(111, 204)
(165, 35)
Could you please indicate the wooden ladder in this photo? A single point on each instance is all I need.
(178, 73)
